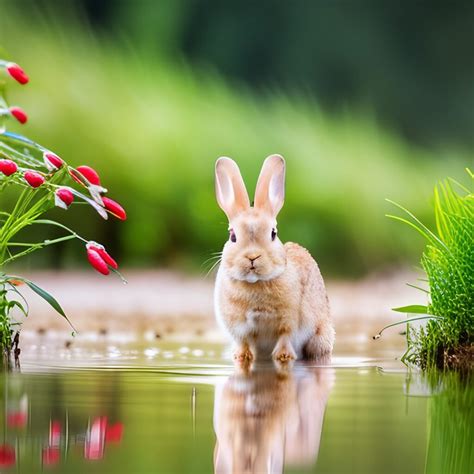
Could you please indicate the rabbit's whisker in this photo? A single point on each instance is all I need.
(213, 266)
(210, 259)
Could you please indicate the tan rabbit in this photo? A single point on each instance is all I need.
(269, 296)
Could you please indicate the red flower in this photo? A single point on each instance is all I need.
(114, 208)
(52, 161)
(103, 254)
(19, 114)
(97, 262)
(89, 173)
(33, 178)
(17, 73)
(8, 167)
(63, 198)
(7, 455)
(99, 258)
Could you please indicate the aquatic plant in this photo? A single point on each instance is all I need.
(448, 261)
(38, 179)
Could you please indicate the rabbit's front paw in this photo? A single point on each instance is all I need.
(284, 352)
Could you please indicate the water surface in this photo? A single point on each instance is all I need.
(112, 406)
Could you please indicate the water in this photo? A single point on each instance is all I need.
(178, 408)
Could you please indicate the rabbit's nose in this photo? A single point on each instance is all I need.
(253, 257)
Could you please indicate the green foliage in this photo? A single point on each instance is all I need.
(38, 180)
(346, 52)
(413, 308)
(156, 129)
(448, 261)
(8, 288)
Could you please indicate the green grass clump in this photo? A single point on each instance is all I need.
(448, 261)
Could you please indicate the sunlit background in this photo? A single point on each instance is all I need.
(366, 101)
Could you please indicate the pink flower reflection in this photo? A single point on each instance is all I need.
(17, 419)
(95, 439)
(7, 455)
(51, 455)
(18, 416)
(54, 433)
(114, 433)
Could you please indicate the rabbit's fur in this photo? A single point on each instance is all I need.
(268, 295)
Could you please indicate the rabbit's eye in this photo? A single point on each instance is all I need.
(233, 238)
(274, 234)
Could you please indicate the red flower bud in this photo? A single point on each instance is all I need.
(52, 161)
(8, 167)
(114, 208)
(19, 114)
(63, 198)
(17, 73)
(89, 173)
(97, 261)
(33, 178)
(103, 254)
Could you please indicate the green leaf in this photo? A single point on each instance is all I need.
(419, 288)
(414, 308)
(13, 303)
(48, 298)
(406, 321)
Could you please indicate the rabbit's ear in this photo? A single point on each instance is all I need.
(270, 192)
(230, 188)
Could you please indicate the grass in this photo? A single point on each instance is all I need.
(448, 260)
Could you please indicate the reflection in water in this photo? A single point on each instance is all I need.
(56, 439)
(265, 420)
(450, 444)
(17, 412)
(375, 421)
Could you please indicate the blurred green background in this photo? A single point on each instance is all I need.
(366, 100)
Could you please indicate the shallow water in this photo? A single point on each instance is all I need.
(176, 408)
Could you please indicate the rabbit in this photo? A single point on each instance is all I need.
(269, 296)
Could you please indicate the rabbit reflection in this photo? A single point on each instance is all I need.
(265, 419)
